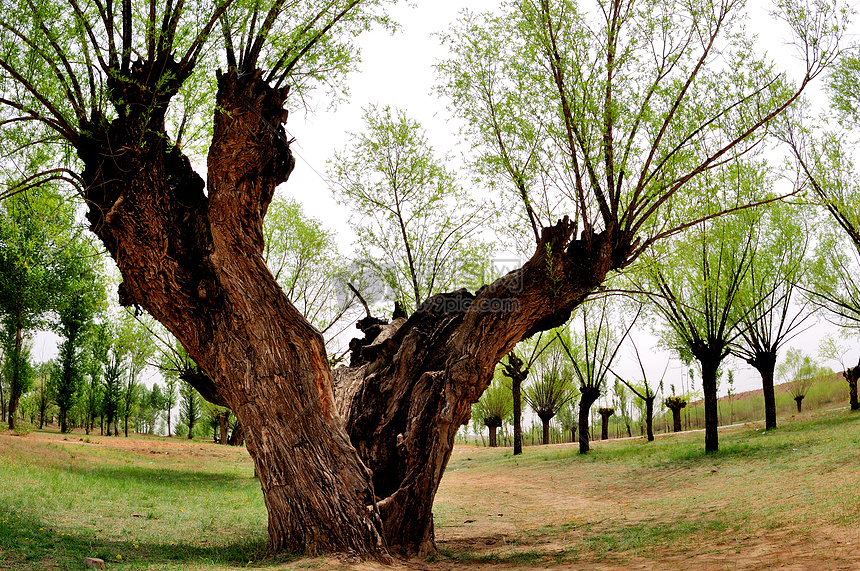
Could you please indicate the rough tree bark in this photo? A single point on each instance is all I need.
(765, 363)
(587, 397)
(193, 260)
(404, 399)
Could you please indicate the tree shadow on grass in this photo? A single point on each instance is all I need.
(27, 543)
(153, 475)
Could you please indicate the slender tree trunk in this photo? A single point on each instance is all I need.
(15, 388)
(516, 391)
(649, 417)
(2, 404)
(222, 427)
(765, 363)
(851, 375)
(514, 368)
(588, 396)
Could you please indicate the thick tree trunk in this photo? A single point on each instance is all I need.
(493, 443)
(765, 363)
(799, 401)
(409, 390)
(193, 260)
(588, 396)
(331, 482)
(236, 438)
(545, 423)
(13, 406)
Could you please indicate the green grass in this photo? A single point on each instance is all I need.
(136, 508)
(648, 500)
(198, 506)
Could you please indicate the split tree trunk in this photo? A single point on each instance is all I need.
(765, 363)
(407, 393)
(193, 260)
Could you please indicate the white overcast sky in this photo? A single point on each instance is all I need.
(397, 70)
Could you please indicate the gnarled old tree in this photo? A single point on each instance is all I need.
(618, 112)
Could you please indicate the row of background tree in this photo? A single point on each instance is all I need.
(53, 278)
(554, 401)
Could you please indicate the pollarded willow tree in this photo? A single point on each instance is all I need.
(493, 409)
(551, 388)
(630, 104)
(591, 346)
(696, 281)
(772, 311)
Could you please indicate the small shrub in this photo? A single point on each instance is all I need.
(22, 429)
